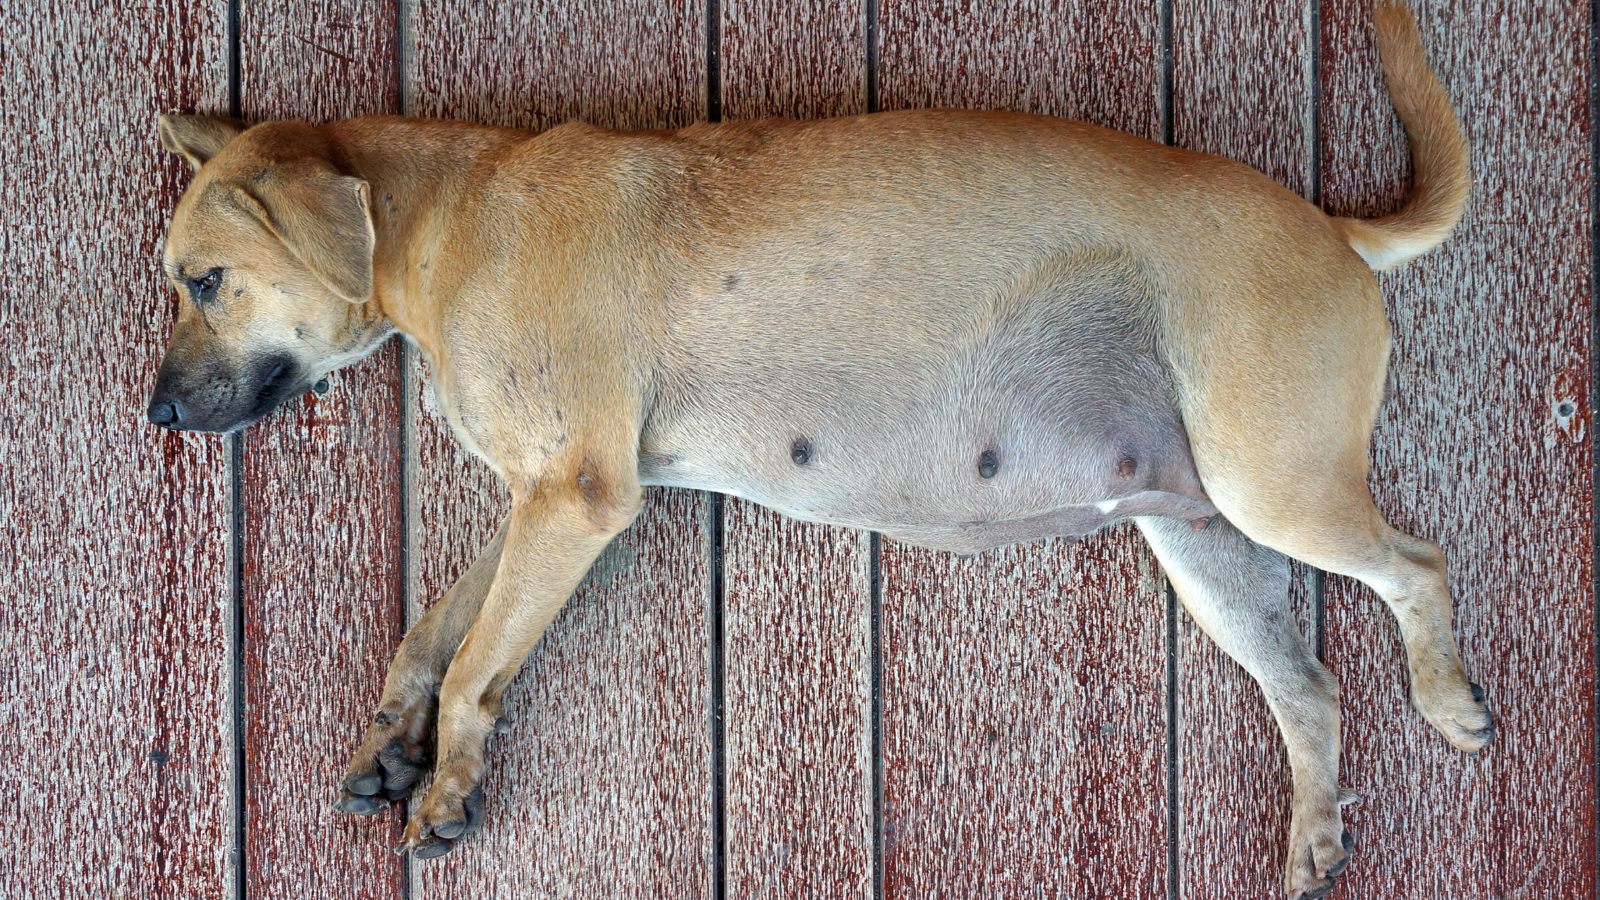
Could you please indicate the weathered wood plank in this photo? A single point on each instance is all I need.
(1095, 62)
(797, 617)
(617, 63)
(603, 789)
(321, 491)
(1242, 88)
(1024, 723)
(1478, 452)
(806, 60)
(117, 772)
(797, 638)
(797, 707)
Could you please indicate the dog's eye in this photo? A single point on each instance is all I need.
(204, 287)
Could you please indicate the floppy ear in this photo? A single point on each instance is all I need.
(198, 138)
(325, 220)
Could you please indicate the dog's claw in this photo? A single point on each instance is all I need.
(432, 847)
(429, 837)
(359, 804)
(1337, 869)
(386, 766)
(1477, 691)
(1316, 857)
(473, 805)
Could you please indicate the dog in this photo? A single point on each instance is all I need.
(960, 329)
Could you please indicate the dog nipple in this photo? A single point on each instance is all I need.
(1126, 467)
(800, 451)
(988, 463)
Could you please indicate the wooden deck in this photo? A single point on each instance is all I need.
(735, 705)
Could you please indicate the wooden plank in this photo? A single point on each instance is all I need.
(321, 491)
(1024, 721)
(797, 616)
(1477, 451)
(797, 707)
(806, 59)
(1242, 88)
(603, 788)
(117, 772)
(1095, 62)
(1024, 725)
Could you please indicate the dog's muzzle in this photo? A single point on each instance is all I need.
(219, 401)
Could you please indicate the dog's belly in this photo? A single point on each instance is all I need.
(1044, 409)
(962, 479)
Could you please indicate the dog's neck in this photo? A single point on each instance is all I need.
(413, 168)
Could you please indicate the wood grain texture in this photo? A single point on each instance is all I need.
(603, 788)
(1477, 452)
(1024, 722)
(116, 769)
(321, 492)
(806, 59)
(1242, 87)
(798, 707)
(1097, 62)
(797, 603)
(616, 63)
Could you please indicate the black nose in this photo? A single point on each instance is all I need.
(166, 413)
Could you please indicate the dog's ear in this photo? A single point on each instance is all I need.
(324, 218)
(198, 138)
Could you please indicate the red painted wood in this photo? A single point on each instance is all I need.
(1491, 338)
(797, 707)
(806, 59)
(1092, 61)
(603, 788)
(618, 63)
(1242, 88)
(1024, 690)
(321, 491)
(1025, 721)
(797, 627)
(116, 768)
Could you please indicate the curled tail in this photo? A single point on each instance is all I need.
(1442, 175)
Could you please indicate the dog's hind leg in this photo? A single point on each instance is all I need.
(1279, 418)
(396, 748)
(1318, 510)
(1237, 591)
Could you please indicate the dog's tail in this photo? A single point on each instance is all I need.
(1442, 175)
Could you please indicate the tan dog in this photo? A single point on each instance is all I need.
(960, 329)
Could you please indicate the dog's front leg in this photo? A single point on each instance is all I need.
(552, 537)
(395, 750)
(1237, 591)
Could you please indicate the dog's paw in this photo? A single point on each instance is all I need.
(1459, 713)
(1318, 854)
(444, 817)
(392, 756)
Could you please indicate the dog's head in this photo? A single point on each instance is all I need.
(270, 251)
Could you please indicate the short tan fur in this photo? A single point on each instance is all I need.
(962, 329)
